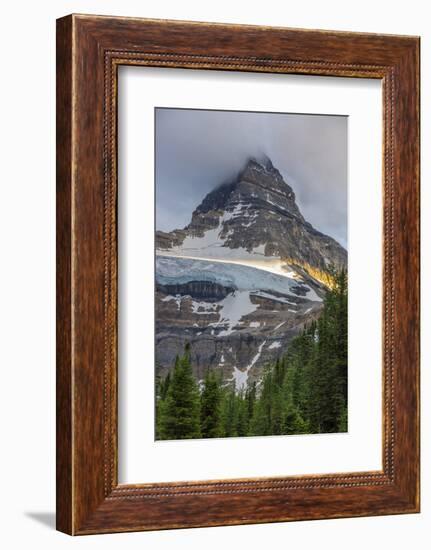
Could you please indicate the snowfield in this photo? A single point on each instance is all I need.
(235, 306)
(212, 246)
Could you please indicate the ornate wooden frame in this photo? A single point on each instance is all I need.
(89, 51)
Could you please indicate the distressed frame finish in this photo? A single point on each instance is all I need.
(89, 51)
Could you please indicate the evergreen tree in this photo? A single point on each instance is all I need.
(329, 394)
(342, 424)
(242, 415)
(250, 397)
(180, 412)
(293, 421)
(262, 417)
(229, 414)
(211, 406)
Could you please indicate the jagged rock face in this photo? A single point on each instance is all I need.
(242, 279)
(259, 210)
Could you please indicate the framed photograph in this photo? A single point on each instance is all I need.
(237, 274)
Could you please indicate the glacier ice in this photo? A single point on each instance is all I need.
(175, 270)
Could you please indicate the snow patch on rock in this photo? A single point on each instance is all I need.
(275, 345)
(241, 376)
(177, 298)
(235, 306)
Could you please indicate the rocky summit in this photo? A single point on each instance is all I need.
(242, 278)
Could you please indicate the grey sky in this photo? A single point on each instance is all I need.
(198, 150)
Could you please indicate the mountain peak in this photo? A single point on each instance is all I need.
(263, 162)
(261, 177)
(255, 214)
(259, 184)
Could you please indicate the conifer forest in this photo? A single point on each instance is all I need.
(304, 391)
